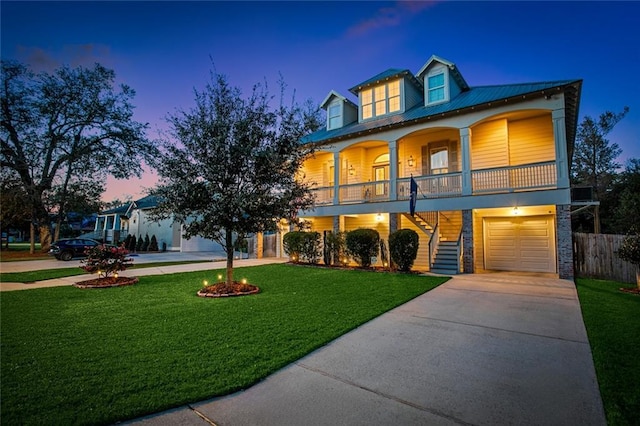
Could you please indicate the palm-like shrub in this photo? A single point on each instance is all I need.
(106, 260)
(403, 246)
(362, 244)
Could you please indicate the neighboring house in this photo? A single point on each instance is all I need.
(491, 164)
(134, 218)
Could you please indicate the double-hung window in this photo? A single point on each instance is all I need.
(380, 100)
(334, 116)
(436, 88)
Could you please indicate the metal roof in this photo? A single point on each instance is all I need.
(475, 97)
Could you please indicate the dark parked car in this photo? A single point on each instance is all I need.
(68, 248)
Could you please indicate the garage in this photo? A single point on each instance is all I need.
(525, 244)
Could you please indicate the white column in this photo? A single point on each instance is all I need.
(465, 152)
(560, 138)
(393, 170)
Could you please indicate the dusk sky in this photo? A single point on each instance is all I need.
(165, 49)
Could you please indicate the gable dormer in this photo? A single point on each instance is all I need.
(340, 110)
(391, 92)
(441, 81)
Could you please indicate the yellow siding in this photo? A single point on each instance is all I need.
(316, 169)
(531, 140)
(450, 225)
(320, 224)
(412, 146)
(489, 145)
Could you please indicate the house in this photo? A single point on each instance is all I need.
(133, 218)
(491, 166)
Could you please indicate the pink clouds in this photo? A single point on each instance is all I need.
(73, 55)
(390, 17)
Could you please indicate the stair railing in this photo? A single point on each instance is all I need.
(433, 244)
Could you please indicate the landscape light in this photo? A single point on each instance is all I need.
(244, 281)
(205, 283)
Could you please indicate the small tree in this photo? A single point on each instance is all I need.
(106, 260)
(292, 243)
(145, 244)
(335, 243)
(139, 243)
(132, 243)
(153, 245)
(311, 246)
(403, 245)
(362, 245)
(630, 251)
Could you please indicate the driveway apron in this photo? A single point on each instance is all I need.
(481, 349)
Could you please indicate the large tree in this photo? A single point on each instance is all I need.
(230, 164)
(68, 125)
(594, 158)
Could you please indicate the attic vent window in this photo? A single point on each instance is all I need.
(380, 100)
(436, 88)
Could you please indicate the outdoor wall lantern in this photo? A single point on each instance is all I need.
(410, 162)
(352, 171)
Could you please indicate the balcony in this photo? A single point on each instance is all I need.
(528, 177)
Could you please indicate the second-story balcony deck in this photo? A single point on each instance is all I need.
(528, 177)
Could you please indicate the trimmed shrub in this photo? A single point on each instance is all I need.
(310, 250)
(403, 247)
(106, 260)
(630, 248)
(139, 243)
(362, 245)
(292, 244)
(127, 242)
(153, 245)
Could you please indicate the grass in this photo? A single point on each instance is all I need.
(72, 356)
(612, 319)
(48, 274)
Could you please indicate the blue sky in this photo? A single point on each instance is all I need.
(165, 49)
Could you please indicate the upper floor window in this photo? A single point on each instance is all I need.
(436, 88)
(439, 160)
(380, 100)
(334, 116)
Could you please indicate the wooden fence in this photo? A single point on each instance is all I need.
(595, 257)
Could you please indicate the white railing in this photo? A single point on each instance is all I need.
(365, 192)
(324, 195)
(496, 180)
(435, 186)
(515, 178)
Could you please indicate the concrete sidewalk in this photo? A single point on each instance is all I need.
(156, 270)
(480, 349)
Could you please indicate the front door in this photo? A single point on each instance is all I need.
(380, 174)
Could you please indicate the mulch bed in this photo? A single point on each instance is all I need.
(634, 290)
(107, 282)
(224, 290)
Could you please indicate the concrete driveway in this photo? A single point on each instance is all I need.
(479, 350)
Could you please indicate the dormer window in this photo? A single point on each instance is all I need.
(380, 100)
(334, 116)
(436, 86)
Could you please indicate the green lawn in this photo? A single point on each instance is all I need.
(48, 274)
(612, 319)
(72, 356)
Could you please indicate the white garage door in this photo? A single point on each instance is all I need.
(520, 244)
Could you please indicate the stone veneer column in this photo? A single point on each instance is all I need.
(565, 242)
(467, 242)
(393, 222)
(336, 224)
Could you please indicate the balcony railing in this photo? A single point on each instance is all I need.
(364, 192)
(496, 180)
(515, 178)
(436, 186)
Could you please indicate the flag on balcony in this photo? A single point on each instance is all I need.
(413, 196)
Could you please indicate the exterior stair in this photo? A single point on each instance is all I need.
(446, 259)
(420, 222)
